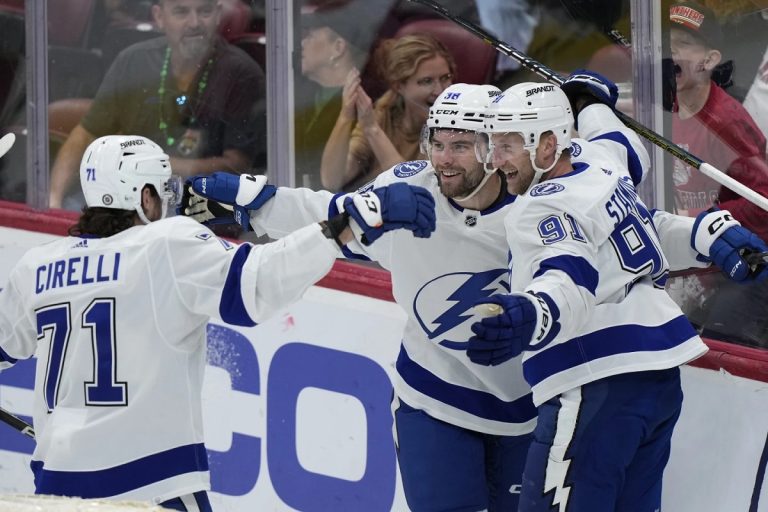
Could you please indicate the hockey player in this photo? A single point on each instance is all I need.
(462, 430)
(117, 315)
(600, 338)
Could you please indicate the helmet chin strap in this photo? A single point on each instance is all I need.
(538, 172)
(488, 174)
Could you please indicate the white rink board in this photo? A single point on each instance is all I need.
(297, 414)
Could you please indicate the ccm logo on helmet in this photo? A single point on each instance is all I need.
(447, 112)
(536, 90)
(128, 143)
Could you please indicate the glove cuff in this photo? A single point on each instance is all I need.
(708, 227)
(249, 188)
(366, 214)
(546, 318)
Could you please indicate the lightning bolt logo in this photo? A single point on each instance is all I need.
(558, 461)
(442, 306)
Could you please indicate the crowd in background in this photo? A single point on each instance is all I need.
(366, 72)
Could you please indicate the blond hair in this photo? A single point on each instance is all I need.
(397, 60)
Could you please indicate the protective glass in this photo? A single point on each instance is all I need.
(457, 145)
(500, 146)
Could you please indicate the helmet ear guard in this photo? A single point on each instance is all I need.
(116, 168)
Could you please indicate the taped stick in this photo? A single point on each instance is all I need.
(552, 77)
(17, 423)
(487, 309)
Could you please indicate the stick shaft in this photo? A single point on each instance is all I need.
(17, 423)
(551, 76)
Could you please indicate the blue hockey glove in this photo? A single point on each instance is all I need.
(396, 206)
(721, 239)
(242, 192)
(520, 321)
(584, 87)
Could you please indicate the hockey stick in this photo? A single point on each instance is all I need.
(604, 16)
(17, 423)
(549, 75)
(6, 142)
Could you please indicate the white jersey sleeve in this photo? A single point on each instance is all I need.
(599, 125)
(675, 235)
(259, 279)
(292, 208)
(289, 210)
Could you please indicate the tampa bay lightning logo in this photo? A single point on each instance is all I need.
(443, 305)
(575, 149)
(406, 169)
(545, 189)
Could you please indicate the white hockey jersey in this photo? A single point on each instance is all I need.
(435, 280)
(119, 328)
(587, 241)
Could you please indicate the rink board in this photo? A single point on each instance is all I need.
(297, 409)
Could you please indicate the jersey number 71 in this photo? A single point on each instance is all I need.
(54, 323)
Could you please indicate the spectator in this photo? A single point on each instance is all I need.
(716, 128)
(710, 124)
(201, 98)
(756, 102)
(334, 45)
(367, 139)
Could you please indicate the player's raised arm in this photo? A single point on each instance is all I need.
(224, 197)
(593, 98)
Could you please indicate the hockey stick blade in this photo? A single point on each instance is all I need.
(6, 143)
(552, 77)
(17, 423)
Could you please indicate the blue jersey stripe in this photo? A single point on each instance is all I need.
(231, 307)
(478, 403)
(577, 268)
(633, 161)
(6, 358)
(120, 479)
(611, 341)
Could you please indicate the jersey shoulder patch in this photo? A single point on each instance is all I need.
(546, 189)
(411, 168)
(575, 149)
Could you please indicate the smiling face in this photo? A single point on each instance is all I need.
(189, 25)
(452, 155)
(694, 61)
(509, 156)
(431, 78)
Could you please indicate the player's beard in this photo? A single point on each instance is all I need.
(470, 179)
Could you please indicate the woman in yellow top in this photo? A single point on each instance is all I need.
(370, 138)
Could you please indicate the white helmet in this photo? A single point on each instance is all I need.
(461, 107)
(115, 169)
(531, 109)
